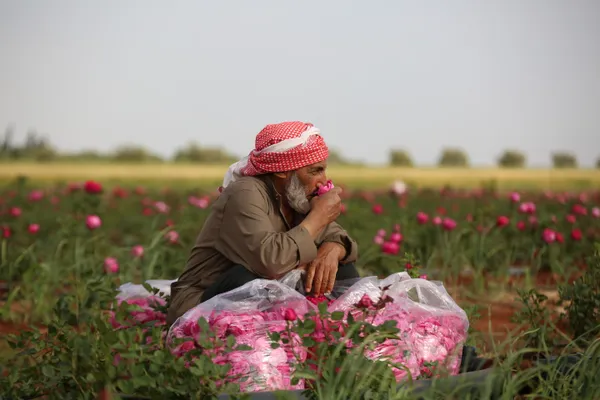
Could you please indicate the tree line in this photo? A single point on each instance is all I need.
(458, 158)
(38, 148)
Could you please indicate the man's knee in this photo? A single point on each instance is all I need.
(233, 278)
(347, 271)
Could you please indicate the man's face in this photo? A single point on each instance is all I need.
(302, 184)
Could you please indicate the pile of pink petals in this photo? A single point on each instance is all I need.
(143, 314)
(146, 313)
(427, 339)
(266, 368)
(432, 329)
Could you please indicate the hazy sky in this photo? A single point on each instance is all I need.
(481, 75)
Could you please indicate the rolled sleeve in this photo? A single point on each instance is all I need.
(307, 250)
(336, 234)
(248, 237)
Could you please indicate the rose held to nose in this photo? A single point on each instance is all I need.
(326, 207)
(325, 188)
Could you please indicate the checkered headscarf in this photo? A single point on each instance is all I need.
(281, 147)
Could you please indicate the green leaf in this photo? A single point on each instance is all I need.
(230, 341)
(322, 308)
(337, 315)
(48, 371)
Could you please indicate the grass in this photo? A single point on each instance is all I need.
(357, 177)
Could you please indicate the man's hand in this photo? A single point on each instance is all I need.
(321, 272)
(324, 210)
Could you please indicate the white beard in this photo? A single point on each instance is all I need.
(295, 194)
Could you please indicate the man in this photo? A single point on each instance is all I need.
(267, 222)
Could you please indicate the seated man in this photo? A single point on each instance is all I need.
(268, 221)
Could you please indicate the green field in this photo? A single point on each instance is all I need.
(523, 281)
(355, 177)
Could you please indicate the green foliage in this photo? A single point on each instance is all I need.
(81, 354)
(56, 278)
(564, 160)
(451, 157)
(582, 300)
(400, 158)
(512, 159)
(332, 370)
(535, 314)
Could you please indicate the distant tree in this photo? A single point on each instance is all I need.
(130, 153)
(452, 157)
(564, 160)
(84, 155)
(36, 147)
(512, 159)
(7, 142)
(335, 158)
(400, 158)
(45, 154)
(598, 163)
(194, 153)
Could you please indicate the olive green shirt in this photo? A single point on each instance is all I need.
(246, 226)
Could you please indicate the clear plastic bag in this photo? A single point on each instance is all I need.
(249, 313)
(433, 328)
(294, 279)
(145, 301)
(130, 290)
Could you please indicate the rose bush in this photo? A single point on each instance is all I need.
(81, 241)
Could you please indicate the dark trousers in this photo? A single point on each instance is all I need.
(238, 276)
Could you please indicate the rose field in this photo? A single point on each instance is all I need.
(523, 268)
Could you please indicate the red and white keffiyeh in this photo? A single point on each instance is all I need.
(281, 147)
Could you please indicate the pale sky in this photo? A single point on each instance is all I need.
(372, 75)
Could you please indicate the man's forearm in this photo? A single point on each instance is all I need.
(332, 246)
(313, 225)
